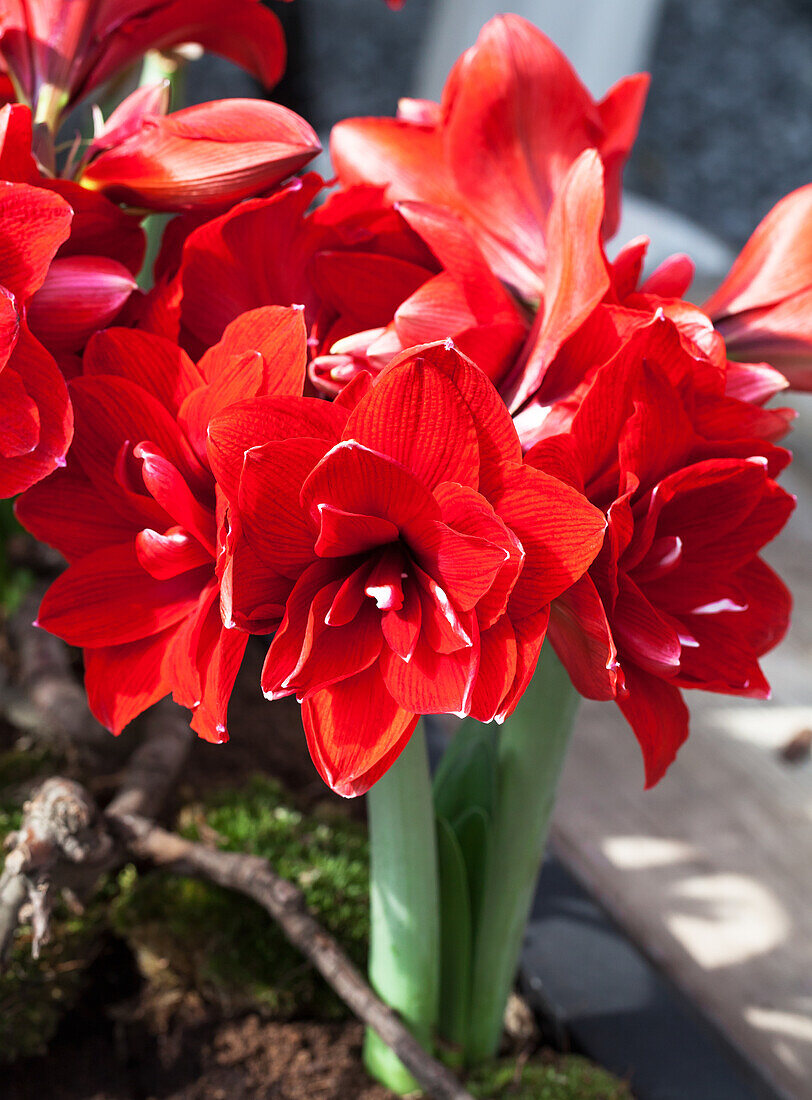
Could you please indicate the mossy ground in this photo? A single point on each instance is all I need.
(565, 1077)
(195, 937)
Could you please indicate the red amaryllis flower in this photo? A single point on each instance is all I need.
(35, 414)
(374, 280)
(408, 552)
(203, 156)
(678, 597)
(92, 276)
(764, 307)
(58, 51)
(513, 118)
(137, 514)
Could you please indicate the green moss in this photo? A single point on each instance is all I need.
(195, 937)
(35, 993)
(568, 1077)
(14, 580)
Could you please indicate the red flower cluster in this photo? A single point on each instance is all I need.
(454, 300)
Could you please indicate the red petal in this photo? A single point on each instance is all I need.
(33, 224)
(582, 638)
(343, 533)
(122, 681)
(204, 155)
(276, 525)
(351, 762)
(80, 295)
(560, 532)
(416, 416)
(497, 669)
(170, 554)
(19, 417)
(432, 683)
(106, 598)
(659, 718)
(154, 363)
(248, 424)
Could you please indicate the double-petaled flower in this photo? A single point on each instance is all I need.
(678, 597)
(138, 516)
(513, 119)
(409, 553)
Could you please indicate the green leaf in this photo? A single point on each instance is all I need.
(467, 774)
(474, 831)
(455, 938)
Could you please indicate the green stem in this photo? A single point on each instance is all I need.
(404, 950)
(532, 748)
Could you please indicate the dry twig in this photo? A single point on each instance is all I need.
(63, 830)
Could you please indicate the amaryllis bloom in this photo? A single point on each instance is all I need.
(409, 553)
(764, 306)
(678, 596)
(35, 415)
(56, 51)
(138, 516)
(92, 276)
(203, 156)
(513, 118)
(374, 280)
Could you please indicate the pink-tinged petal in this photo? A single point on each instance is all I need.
(342, 533)
(355, 479)
(774, 264)
(422, 112)
(430, 682)
(99, 227)
(80, 295)
(241, 30)
(33, 224)
(657, 714)
(278, 528)
(576, 278)
(19, 417)
(496, 436)
(248, 424)
(122, 681)
(154, 363)
(68, 513)
(169, 554)
(350, 762)
(753, 382)
(417, 416)
(107, 598)
(643, 634)
(45, 386)
(582, 637)
(497, 670)
(126, 119)
(204, 156)
(228, 270)
(780, 333)
(560, 532)
(672, 278)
